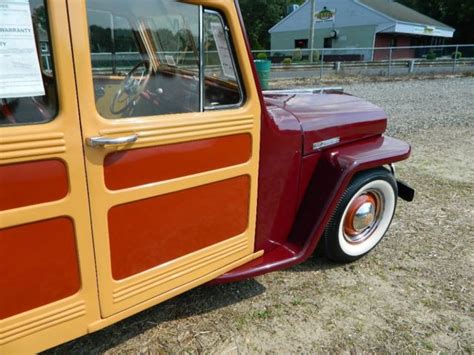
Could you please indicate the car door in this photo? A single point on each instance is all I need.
(171, 120)
(48, 288)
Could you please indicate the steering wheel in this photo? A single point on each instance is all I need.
(131, 87)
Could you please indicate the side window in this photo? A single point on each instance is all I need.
(145, 57)
(222, 87)
(177, 46)
(114, 49)
(156, 57)
(27, 82)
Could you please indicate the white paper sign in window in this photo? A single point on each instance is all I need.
(20, 72)
(223, 50)
(170, 60)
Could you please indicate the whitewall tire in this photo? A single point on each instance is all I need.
(362, 216)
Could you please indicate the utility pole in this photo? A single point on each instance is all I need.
(311, 33)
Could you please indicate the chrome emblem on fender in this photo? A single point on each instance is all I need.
(326, 143)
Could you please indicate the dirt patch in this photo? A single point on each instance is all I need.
(413, 293)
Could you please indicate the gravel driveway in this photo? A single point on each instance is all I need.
(413, 293)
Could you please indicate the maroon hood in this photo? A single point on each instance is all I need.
(331, 116)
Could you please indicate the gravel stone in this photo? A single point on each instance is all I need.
(416, 105)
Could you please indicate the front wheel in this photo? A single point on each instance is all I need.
(362, 216)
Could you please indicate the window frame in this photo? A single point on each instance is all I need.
(202, 64)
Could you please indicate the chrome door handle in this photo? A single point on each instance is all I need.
(101, 141)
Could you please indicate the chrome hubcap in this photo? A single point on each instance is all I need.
(363, 216)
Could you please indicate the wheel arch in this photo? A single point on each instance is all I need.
(330, 178)
(336, 169)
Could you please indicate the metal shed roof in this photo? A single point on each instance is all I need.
(402, 13)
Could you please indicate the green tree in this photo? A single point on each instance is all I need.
(261, 15)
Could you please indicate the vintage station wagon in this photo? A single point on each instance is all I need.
(139, 159)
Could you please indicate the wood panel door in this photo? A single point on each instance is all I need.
(48, 290)
(172, 177)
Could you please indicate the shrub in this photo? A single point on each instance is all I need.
(297, 55)
(456, 55)
(262, 56)
(431, 55)
(316, 55)
(287, 61)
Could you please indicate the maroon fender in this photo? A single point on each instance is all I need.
(299, 187)
(279, 173)
(281, 145)
(330, 177)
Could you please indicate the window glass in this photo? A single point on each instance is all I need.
(221, 78)
(178, 46)
(27, 80)
(114, 49)
(145, 57)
